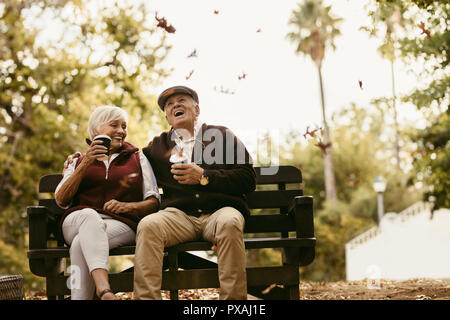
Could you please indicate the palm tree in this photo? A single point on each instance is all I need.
(315, 31)
(390, 16)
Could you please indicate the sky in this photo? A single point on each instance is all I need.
(281, 89)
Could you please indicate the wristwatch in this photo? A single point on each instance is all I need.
(204, 179)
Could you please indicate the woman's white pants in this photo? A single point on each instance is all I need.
(91, 235)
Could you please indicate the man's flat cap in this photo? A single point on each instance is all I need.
(173, 90)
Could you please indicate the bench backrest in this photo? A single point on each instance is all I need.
(271, 193)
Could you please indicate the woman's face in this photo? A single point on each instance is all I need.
(117, 130)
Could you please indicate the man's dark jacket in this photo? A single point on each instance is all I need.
(227, 163)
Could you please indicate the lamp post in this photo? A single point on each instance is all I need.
(379, 185)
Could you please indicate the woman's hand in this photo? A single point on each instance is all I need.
(69, 188)
(118, 207)
(96, 150)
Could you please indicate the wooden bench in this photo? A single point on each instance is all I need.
(281, 218)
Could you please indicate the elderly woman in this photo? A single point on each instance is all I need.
(105, 200)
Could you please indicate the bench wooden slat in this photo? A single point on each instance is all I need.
(272, 198)
(208, 278)
(51, 206)
(284, 174)
(264, 223)
(49, 182)
(256, 223)
(250, 243)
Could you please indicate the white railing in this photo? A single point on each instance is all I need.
(416, 208)
(363, 237)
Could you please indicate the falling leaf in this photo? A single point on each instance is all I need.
(162, 23)
(242, 76)
(311, 133)
(259, 30)
(421, 25)
(360, 84)
(193, 54)
(216, 11)
(190, 74)
(323, 146)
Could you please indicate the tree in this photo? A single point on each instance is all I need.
(106, 54)
(389, 19)
(315, 31)
(426, 39)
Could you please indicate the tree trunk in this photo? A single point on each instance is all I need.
(394, 98)
(330, 182)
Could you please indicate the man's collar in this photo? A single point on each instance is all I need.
(197, 127)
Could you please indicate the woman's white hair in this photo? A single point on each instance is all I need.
(102, 115)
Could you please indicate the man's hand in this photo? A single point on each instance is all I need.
(118, 207)
(187, 173)
(70, 159)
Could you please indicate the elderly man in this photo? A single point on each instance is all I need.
(205, 172)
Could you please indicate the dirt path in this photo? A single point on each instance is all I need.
(414, 289)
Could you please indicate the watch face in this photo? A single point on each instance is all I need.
(204, 181)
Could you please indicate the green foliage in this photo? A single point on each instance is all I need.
(388, 21)
(432, 161)
(263, 257)
(432, 96)
(106, 54)
(417, 31)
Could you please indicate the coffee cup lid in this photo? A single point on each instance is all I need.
(102, 136)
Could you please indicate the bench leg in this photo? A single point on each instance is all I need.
(294, 292)
(173, 266)
(174, 295)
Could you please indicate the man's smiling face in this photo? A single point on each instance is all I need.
(181, 111)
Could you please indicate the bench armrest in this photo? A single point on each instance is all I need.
(37, 225)
(301, 208)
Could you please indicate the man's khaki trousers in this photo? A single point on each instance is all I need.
(172, 226)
